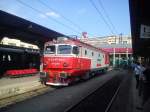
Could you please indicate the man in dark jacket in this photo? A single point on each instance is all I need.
(146, 84)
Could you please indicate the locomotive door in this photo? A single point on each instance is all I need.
(79, 58)
(77, 62)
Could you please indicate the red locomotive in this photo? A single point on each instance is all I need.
(66, 60)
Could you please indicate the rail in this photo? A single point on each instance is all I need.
(100, 99)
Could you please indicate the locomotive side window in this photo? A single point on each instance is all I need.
(85, 52)
(64, 49)
(75, 50)
(92, 54)
(50, 49)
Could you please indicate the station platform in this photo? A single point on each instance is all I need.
(128, 98)
(14, 86)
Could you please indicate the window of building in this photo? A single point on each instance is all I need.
(30, 47)
(113, 43)
(21, 45)
(12, 44)
(4, 58)
(124, 42)
(9, 58)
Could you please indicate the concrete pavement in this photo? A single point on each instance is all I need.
(10, 87)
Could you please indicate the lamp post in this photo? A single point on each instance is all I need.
(127, 54)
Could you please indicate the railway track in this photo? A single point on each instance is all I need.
(99, 100)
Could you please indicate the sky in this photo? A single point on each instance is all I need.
(72, 17)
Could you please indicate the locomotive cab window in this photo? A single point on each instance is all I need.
(64, 49)
(75, 50)
(50, 49)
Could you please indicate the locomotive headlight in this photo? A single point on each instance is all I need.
(44, 65)
(65, 64)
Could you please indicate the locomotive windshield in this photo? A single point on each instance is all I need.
(50, 49)
(64, 49)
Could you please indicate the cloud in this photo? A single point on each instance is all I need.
(52, 14)
(49, 14)
(42, 16)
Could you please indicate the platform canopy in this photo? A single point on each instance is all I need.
(118, 50)
(140, 26)
(15, 27)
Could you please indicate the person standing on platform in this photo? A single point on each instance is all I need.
(146, 84)
(137, 71)
(141, 78)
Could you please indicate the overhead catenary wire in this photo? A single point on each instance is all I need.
(107, 16)
(40, 12)
(77, 26)
(102, 17)
(70, 21)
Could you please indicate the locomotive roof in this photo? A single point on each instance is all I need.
(76, 42)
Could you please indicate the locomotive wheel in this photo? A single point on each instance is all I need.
(92, 74)
(86, 76)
